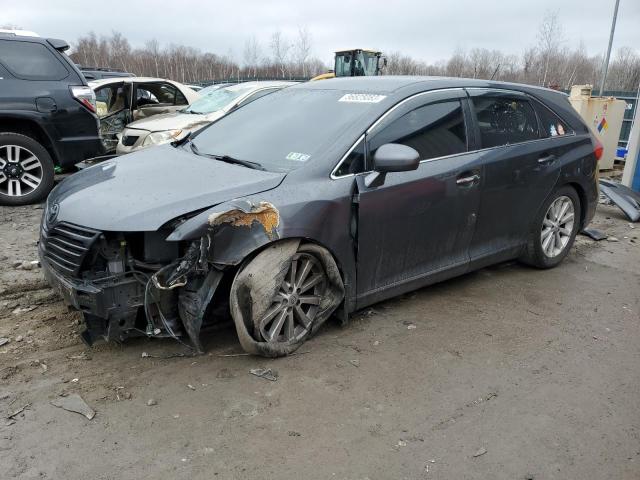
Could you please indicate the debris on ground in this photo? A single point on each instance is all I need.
(612, 239)
(4, 341)
(191, 387)
(355, 363)
(18, 411)
(151, 402)
(164, 357)
(21, 310)
(19, 338)
(623, 197)
(594, 234)
(74, 403)
(480, 452)
(82, 356)
(265, 373)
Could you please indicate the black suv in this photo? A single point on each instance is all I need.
(47, 116)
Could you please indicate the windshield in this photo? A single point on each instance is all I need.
(284, 130)
(217, 99)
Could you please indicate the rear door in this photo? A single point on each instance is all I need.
(520, 164)
(418, 222)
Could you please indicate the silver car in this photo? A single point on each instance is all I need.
(212, 105)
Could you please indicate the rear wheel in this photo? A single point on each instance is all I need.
(26, 170)
(554, 230)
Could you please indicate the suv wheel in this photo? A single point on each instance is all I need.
(554, 229)
(26, 170)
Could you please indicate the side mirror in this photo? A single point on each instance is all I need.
(395, 157)
(391, 157)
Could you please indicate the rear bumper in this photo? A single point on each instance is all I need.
(72, 150)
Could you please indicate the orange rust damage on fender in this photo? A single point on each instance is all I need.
(264, 213)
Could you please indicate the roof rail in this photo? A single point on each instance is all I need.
(17, 33)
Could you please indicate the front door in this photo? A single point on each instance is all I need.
(419, 222)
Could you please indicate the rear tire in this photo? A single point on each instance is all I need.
(554, 229)
(26, 170)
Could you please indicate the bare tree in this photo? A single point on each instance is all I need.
(550, 37)
(280, 49)
(302, 49)
(153, 49)
(252, 55)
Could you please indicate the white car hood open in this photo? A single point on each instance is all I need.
(175, 121)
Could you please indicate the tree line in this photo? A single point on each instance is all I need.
(550, 61)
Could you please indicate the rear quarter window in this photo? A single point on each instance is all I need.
(31, 61)
(552, 125)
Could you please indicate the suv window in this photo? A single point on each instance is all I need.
(31, 61)
(504, 120)
(552, 126)
(434, 130)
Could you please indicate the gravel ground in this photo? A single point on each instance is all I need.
(507, 372)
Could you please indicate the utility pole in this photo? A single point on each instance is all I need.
(605, 65)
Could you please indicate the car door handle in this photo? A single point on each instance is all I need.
(547, 159)
(468, 180)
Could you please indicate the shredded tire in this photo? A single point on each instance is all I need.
(256, 284)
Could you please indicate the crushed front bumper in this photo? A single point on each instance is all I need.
(110, 307)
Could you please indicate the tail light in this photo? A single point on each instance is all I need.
(85, 96)
(598, 148)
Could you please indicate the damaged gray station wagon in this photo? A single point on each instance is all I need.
(319, 199)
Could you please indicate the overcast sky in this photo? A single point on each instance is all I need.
(425, 29)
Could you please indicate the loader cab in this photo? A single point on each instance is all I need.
(358, 63)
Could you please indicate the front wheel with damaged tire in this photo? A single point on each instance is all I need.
(281, 297)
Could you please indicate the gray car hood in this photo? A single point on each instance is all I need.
(144, 190)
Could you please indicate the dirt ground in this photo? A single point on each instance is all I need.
(507, 372)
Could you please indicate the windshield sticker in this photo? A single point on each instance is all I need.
(362, 98)
(298, 157)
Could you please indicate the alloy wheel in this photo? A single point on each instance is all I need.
(557, 226)
(20, 171)
(296, 304)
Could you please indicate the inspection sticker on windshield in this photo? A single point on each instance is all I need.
(298, 157)
(362, 98)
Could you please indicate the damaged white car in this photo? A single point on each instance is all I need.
(211, 106)
(120, 101)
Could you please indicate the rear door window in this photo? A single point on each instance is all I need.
(31, 61)
(434, 130)
(505, 120)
